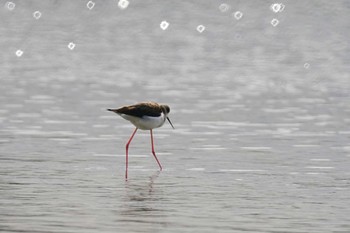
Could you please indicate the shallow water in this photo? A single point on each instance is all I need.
(261, 116)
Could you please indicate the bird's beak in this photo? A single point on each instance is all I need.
(170, 122)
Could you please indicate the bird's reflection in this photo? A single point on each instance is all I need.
(141, 196)
(140, 186)
(144, 204)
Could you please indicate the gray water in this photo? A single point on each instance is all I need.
(261, 115)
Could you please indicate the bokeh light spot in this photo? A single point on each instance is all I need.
(164, 25)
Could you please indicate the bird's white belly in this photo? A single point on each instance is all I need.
(146, 122)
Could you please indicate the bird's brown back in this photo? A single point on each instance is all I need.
(140, 109)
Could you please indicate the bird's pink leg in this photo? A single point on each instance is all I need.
(154, 153)
(127, 153)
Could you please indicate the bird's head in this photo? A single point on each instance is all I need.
(166, 110)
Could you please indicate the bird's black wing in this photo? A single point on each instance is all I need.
(140, 110)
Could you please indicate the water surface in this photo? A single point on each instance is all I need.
(261, 115)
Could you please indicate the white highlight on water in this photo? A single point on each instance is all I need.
(196, 169)
(320, 160)
(10, 5)
(275, 22)
(306, 65)
(200, 28)
(37, 14)
(90, 5)
(306, 145)
(238, 15)
(19, 53)
(164, 25)
(277, 7)
(241, 170)
(224, 7)
(71, 45)
(315, 167)
(255, 148)
(123, 4)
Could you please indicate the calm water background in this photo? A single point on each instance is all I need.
(262, 117)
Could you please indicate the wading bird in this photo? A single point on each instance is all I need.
(145, 116)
